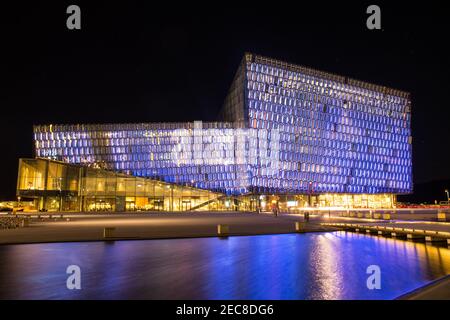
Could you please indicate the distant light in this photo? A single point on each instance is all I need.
(292, 203)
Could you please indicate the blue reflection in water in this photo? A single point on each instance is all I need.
(291, 266)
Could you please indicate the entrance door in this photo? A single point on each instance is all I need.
(130, 206)
(156, 204)
(253, 204)
(186, 205)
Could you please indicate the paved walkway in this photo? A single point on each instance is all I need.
(150, 226)
(89, 227)
(437, 290)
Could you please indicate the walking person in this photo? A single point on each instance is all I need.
(306, 216)
(274, 209)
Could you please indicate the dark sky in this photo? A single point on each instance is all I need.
(132, 62)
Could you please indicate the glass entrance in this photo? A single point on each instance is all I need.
(156, 204)
(186, 205)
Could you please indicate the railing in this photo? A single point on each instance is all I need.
(206, 203)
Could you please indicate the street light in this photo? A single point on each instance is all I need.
(446, 191)
(60, 192)
(309, 193)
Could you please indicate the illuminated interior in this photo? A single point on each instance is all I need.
(58, 186)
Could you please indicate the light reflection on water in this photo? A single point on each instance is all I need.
(291, 266)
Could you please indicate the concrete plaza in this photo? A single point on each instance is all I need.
(90, 227)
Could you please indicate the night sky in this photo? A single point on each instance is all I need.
(145, 63)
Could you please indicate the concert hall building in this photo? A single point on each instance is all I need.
(286, 134)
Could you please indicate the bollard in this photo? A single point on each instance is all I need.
(441, 216)
(398, 234)
(108, 232)
(411, 236)
(433, 239)
(298, 227)
(223, 229)
(25, 223)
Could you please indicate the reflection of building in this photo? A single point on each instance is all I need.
(289, 134)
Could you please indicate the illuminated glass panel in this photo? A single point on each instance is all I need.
(337, 135)
(285, 129)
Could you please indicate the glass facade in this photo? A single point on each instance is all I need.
(202, 155)
(284, 129)
(58, 186)
(336, 135)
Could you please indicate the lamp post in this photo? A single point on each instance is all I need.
(446, 191)
(60, 193)
(309, 193)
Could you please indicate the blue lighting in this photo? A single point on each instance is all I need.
(285, 129)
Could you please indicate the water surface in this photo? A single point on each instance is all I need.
(290, 266)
